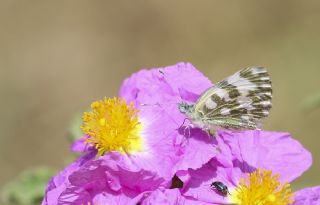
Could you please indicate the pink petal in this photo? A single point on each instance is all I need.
(127, 197)
(276, 151)
(198, 187)
(197, 150)
(307, 196)
(79, 145)
(169, 197)
(164, 197)
(59, 182)
(161, 85)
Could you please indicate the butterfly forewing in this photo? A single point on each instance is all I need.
(239, 101)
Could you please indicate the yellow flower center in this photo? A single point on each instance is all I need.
(262, 188)
(112, 125)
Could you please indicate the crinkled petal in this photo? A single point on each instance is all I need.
(130, 174)
(127, 197)
(199, 187)
(78, 195)
(183, 76)
(307, 196)
(113, 174)
(243, 152)
(164, 197)
(80, 145)
(74, 195)
(51, 196)
(158, 152)
(165, 87)
(276, 151)
(162, 85)
(59, 182)
(197, 149)
(166, 150)
(168, 197)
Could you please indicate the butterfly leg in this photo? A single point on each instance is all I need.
(188, 128)
(183, 122)
(184, 138)
(209, 131)
(186, 133)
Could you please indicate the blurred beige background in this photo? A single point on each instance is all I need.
(56, 57)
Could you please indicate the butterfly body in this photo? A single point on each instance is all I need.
(238, 102)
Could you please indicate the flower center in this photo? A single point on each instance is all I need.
(262, 188)
(112, 125)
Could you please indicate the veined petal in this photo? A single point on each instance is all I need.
(197, 149)
(127, 197)
(114, 175)
(245, 152)
(161, 85)
(276, 151)
(199, 185)
(164, 197)
(169, 197)
(59, 183)
(309, 196)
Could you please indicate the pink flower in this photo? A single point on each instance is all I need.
(161, 151)
(137, 165)
(309, 196)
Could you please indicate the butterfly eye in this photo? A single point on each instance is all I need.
(185, 108)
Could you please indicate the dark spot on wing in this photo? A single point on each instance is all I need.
(234, 93)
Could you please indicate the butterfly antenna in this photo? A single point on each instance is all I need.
(162, 107)
(158, 104)
(145, 104)
(161, 71)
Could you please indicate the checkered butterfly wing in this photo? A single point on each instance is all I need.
(237, 102)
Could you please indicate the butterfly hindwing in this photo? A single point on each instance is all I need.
(239, 101)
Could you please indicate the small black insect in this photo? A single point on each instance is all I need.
(220, 187)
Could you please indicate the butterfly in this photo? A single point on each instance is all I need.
(237, 102)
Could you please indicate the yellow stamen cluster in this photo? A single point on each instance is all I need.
(112, 125)
(262, 188)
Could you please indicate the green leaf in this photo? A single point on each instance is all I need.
(312, 102)
(29, 187)
(74, 128)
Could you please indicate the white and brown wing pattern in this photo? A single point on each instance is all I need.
(237, 102)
